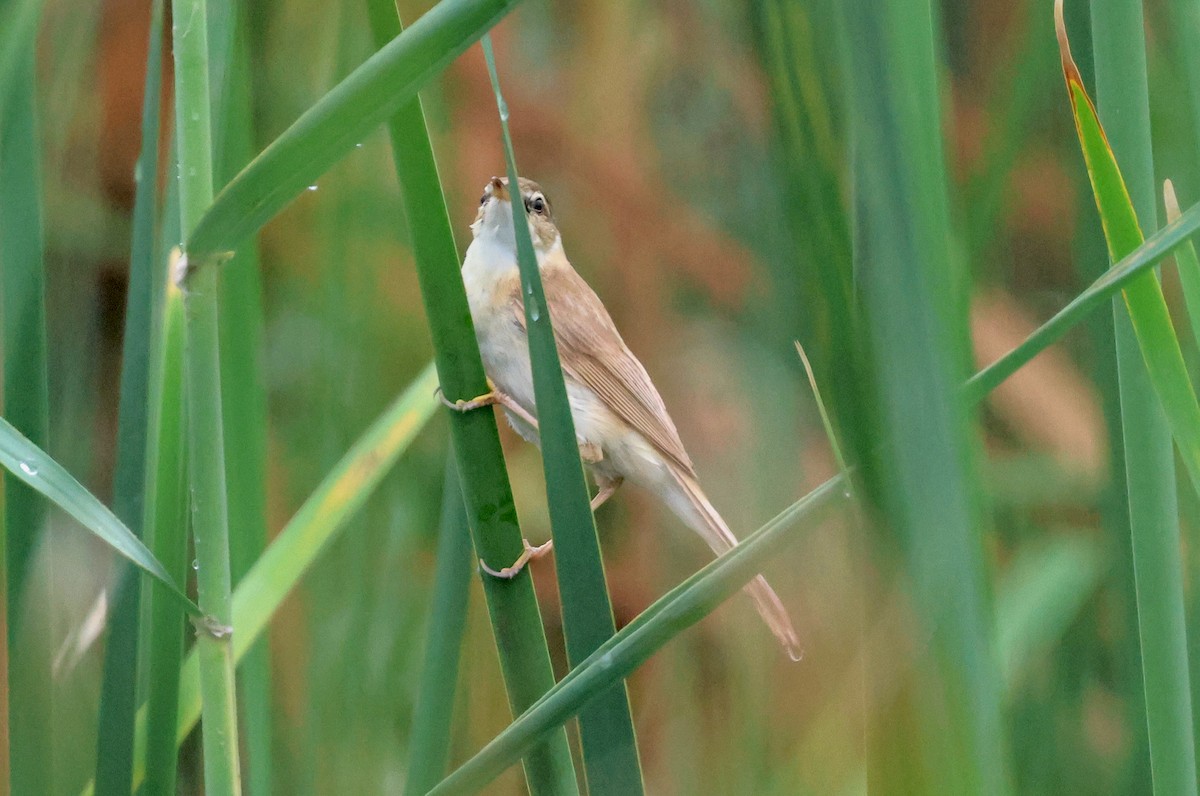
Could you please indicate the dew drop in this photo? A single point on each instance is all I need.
(312, 187)
(196, 563)
(28, 468)
(358, 146)
(534, 314)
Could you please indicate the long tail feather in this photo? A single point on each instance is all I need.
(692, 506)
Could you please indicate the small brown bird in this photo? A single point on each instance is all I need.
(623, 428)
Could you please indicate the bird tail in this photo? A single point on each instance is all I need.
(691, 505)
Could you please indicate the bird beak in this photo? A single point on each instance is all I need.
(499, 189)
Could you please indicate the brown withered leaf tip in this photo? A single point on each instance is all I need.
(1070, 70)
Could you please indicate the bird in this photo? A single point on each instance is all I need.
(621, 423)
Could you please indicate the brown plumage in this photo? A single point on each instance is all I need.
(622, 425)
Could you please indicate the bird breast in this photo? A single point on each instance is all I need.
(491, 279)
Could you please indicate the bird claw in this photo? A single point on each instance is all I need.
(489, 398)
(530, 553)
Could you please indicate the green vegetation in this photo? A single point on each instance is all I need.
(230, 291)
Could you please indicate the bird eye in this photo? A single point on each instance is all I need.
(483, 199)
(538, 205)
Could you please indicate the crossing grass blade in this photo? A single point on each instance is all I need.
(1131, 267)
(332, 126)
(512, 605)
(35, 468)
(610, 754)
(674, 612)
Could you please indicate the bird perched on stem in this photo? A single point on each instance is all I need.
(623, 428)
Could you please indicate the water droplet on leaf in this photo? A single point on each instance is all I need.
(28, 468)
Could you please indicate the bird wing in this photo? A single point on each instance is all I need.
(593, 353)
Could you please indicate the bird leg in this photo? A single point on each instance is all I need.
(530, 553)
(607, 487)
(490, 398)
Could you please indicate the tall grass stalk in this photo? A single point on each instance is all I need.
(913, 294)
(244, 402)
(304, 538)
(119, 697)
(512, 605)
(167, 529)
(1092, 261)
(25, 399)
(610, 754)
(1123, 105)
(210, 521)
(429, 738)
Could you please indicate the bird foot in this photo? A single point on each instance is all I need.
(530, 553)
(478, 402)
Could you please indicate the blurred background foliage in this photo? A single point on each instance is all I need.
(696, 156)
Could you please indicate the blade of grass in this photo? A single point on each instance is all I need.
(24, 315)
(610, 754)
(35, 468)
(1188, 268)
(922, 473)
(25, 401)
(1143, 322)
(205, 427)
(1186, 263)
(118, 695)
(331, 127)
(1100, 292)
(1147, 309)
(429, 737)
(244, 410)
(1091, 261)
(666, 618)
(512, 605)
(167, 529)
(305, 537)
